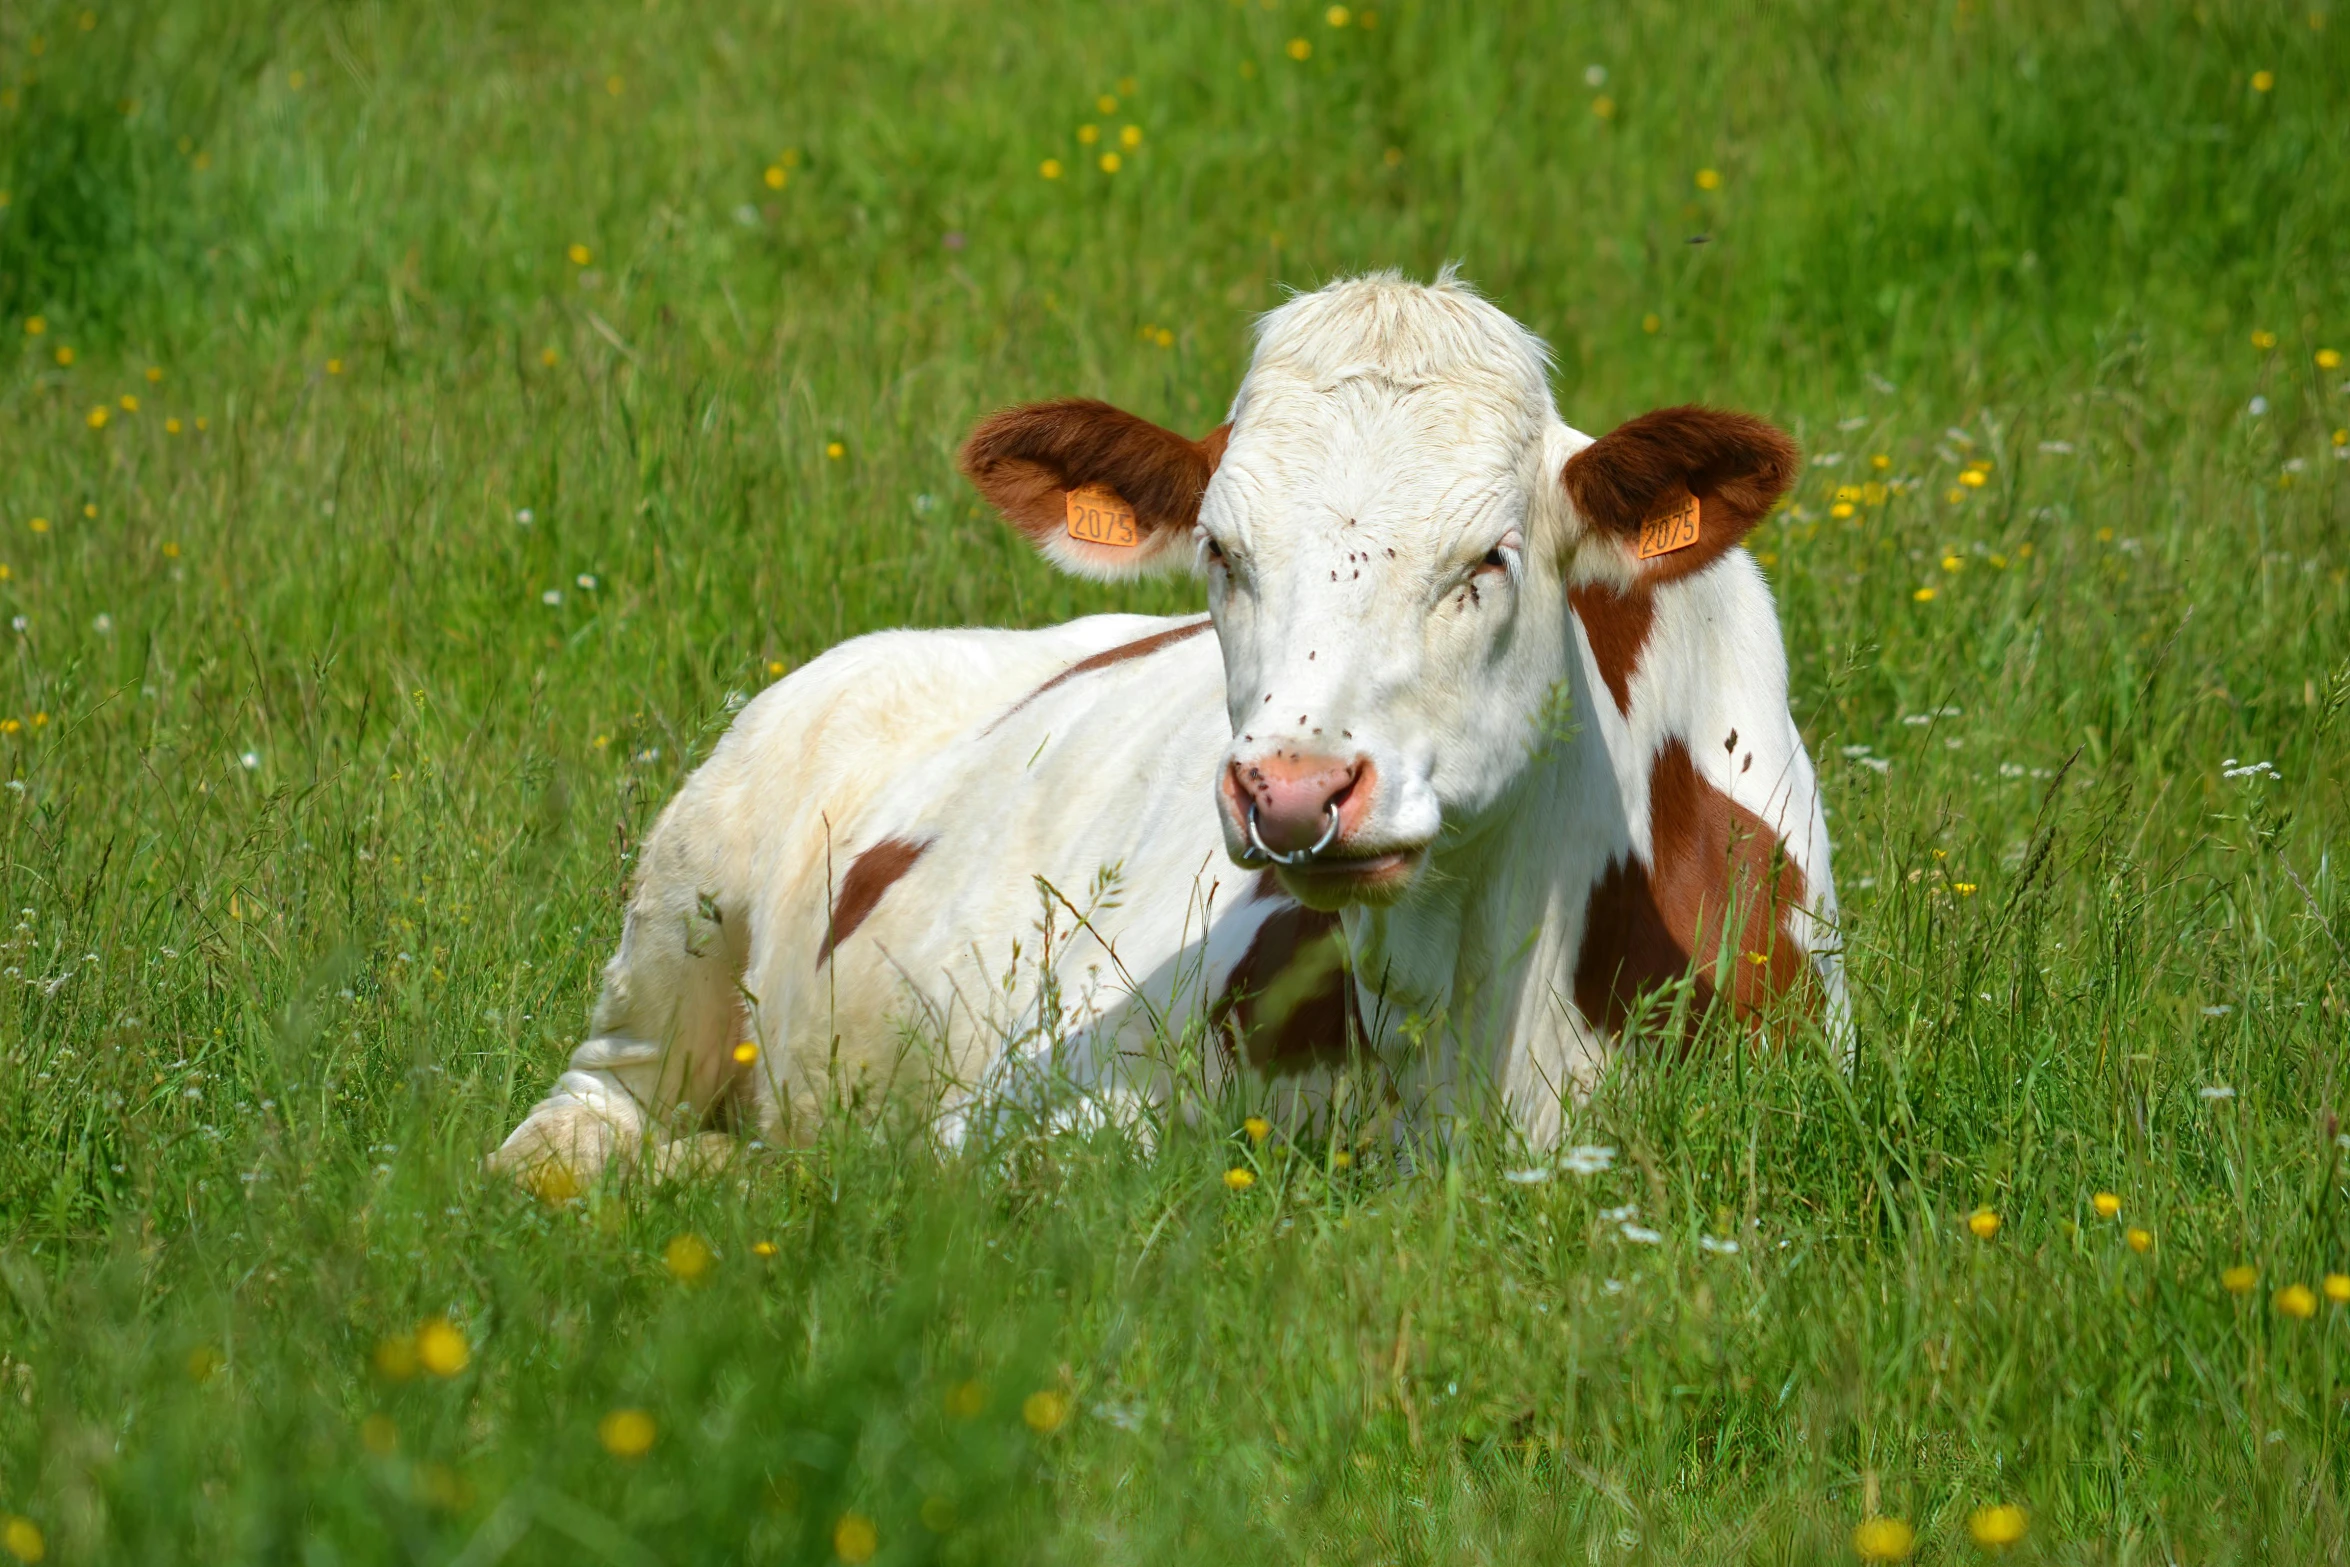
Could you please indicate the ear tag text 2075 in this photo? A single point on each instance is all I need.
(1674, 528)
(1100, 515)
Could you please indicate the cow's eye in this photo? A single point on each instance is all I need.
(1215, 551)
(1494, 560)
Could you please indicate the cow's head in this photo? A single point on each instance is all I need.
(1389, 527)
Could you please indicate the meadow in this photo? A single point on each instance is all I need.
(423, 425)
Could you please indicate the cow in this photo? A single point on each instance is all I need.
(1480, 749)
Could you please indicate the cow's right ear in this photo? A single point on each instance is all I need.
(1101, 493)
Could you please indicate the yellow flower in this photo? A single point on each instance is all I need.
(2337, 1288)
(1874, 493)
(1923, 596)
(776, 176)
(2140, 1241)
(615, 85)
(1973, 478)
(295, 79)
(1841, 510)
(395, 1358)
(39, 525)
(775, 666)
(1998, 561)
(1604, 107)
(2239, 1279)
(378, 1435)
(171, 549)
(1130, 137)
(334, 367)
(1110, 162)
(763, 1248)
(1709, 179)
(1299, 48)
(2329, 359)
(626, 1433)
(1881, 462)
(1984, 1223)
(580, 255)
(1087, 135)
(441, 1348)
(202, 1361)
(90, 510)
(2262, 81)
(746, 1052)
(966, 1399)
(2297, 1301)
(97, 418)
(1954, 495)
(1164, 338)
(1106, 104)
(171, 427)
(23, 1539)
(1953, 563)
(1342, 1159)
(854, 1539)
(1239, 1178)
(1338, 16)
(130, 404)
(2107, 1204)
(34, 326)
(835, 450)
(1965, 889)
(553, 1183)
(1652, 323)
(1883, 1540)
(1045, 1410)
(2262, 338)
(9, 726)
(1050, 168)
(155, 375)
(1997, 1528)
(65, 356)
(688, 1258)
(1258, 1128)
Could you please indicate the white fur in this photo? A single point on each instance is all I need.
(1078, 904)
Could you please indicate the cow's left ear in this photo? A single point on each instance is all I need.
(1667, 493)
(1100, 492)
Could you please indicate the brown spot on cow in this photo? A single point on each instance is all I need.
(1289, 1004)
(1140, 647)
(1617, 626)
(870, 875)
(1648, 925)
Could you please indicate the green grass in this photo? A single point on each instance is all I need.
(322, 832)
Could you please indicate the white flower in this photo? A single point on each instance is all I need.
(1719, 1246)
(2057, 448)
(1588, 1159)
(2229, 769)
(1529, 1177)
(2216, 1092)
(2222, 1010)
(103, 625)
(251, 759)
(587, 580)
(1640, 1235)
(551, 597)
(21, 624)
(523, 516)
(1612, 1286)
(2256, 407)
(1595, 76)
(1626, 1213)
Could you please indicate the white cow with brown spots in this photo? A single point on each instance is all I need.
(1482, 745)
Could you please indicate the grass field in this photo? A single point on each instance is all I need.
(419, 426)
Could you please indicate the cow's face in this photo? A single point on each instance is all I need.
(1389, 528)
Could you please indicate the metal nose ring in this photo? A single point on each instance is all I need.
(1295, 856)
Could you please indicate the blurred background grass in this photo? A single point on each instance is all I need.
(422, 423)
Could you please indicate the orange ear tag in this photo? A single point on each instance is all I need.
(1100, 515)
(1667, 531)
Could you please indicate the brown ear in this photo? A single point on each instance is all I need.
(1667, 493)
(1137, 486)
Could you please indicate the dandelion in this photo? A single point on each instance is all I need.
(1709, 179)
(764, 1248)
(2297, 1301)
(202, 1362)
(2329, 359)
(746, 1052)
(1338, 16)
(23, 1540)
(1240, 1178)
(1342, 1159)
(1045, 1411)
(1163, 337)
(2107, 1204)
(2262, 338)
(130, 404)
(854, 1539)
(1087, 135)
(1130, 137)
(2139, 1241)
(39, 525)
(688, 1258)
(776, 176)
(34, 326)
(1922, 596)
(155, 375)
(580, 255)
(1392, 157)
(1974, 478)
(775, 666)
(395, 1358)
(2239, 1279)
(1953, 563)
(441, 1349)
(171, 427)
(1965, 889)
(1883, 1540)
(2337, 1288)
(626, 1433)
(2262, 81)
(553, 1183)
(1881, 462)
(1258, 1128)
(64, 356)
(1983, 1223)
(1050, 168)
(378, 1435)
(835, 450)
(1997, 1528)
(966, 1399)
(1299, 48)
(1604, 107)
(1841, 510)
(97, 417)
